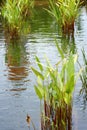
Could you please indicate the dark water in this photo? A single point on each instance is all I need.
(17, 96)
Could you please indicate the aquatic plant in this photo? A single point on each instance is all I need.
(12, 11)
(65, 12)
(12, 16)
(55, 86)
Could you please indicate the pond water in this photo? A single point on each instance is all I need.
(17, 95)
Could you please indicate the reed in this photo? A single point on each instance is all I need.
(65, 12)
(12, 12)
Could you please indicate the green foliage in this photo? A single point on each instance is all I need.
(58, 84)
(38, 74)
(55, 86)
(13, 12)
(65, 11)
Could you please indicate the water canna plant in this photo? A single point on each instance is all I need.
(55, 88)
(65, 12)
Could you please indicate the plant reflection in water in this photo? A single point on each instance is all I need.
(16, 60)
(83, 78)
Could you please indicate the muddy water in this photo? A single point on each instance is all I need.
(17, 96)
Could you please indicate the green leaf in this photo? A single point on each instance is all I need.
(67, 98)
(62, 73)
(45, 92)
(59, 50)
(48, 63)
(70, 85)
(37, 73)
(60, 82)
(39, 63)
(75, 58)
(70, 67)
(39, 91)
(39, 81)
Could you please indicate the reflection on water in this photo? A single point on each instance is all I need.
(16, 60)
(68, 44)
(83, 78)
(42, 22)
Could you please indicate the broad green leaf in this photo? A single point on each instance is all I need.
(52, 75)
(39, 63)
(39, 81)
(37, 73)
(75, 58)
(67, 98)
(39, 91)
(70, 67)
(45, 92)
(62, 73)
(60, 82)
(48, 63)
(70, 85)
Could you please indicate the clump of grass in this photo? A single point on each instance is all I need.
(65, 12)
(56, 88)
(13, 12)
(12, 16)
